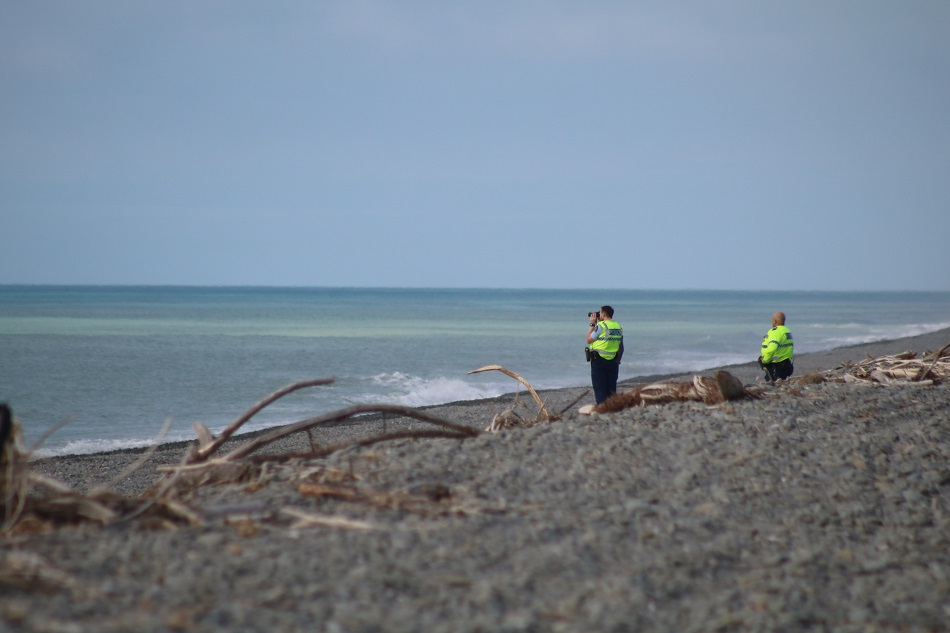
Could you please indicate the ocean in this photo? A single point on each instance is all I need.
(110, 365)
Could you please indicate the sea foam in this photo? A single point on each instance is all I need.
(415, 391)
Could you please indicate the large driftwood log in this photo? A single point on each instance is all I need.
(722, 387)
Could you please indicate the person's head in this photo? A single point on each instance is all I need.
(778, 319)
(606, 312)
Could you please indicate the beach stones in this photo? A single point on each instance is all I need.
(824, 506)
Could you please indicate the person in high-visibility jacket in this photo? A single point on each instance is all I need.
(777, 350)
(605, 340)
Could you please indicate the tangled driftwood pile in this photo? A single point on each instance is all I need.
(30, 497)
(25, 493)
(900, 369)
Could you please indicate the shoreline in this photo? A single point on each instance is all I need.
(86, 471)
(746, 372)
(816, 506)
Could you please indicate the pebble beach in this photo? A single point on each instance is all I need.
(818, 507)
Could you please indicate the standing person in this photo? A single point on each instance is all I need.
(605, 338)
(777, 350)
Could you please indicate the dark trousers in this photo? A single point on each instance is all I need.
(603, 377)
(778, 371)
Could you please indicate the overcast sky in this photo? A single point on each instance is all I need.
(732, 145)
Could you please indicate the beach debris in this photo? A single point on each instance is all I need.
(241, 466)
(307, 520)
(197, 468)
(47, 501)
(717, 389)
(28, 570)
(68, 506)
(208, 444)
(542, 410)
(16, 480)
(38, 502)
(811, 378)
(11, 492)
(509, 418)
(446, 429)
(904, 369)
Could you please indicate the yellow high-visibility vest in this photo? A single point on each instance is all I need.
(608, 342)
(777, 345)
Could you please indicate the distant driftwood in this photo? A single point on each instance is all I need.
(900, 369)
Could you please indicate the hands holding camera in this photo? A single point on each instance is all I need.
(594, 317)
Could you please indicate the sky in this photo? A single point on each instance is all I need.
(739, 144)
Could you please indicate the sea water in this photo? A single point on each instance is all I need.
(106, 367)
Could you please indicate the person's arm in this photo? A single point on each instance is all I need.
(593, 333)
(769, 347)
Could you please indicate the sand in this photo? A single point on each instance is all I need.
(821, 507)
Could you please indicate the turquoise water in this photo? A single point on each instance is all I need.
(115, 363)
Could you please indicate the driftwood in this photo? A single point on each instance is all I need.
(452, 429)
(198, 469)
(722, 387)
(904, 369)
(13, 485)
(534, 394)
(23, 492)
(509, 418)
(210, 444)
(26, 570)
(309, 520)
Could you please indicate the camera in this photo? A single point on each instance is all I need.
(593, 314)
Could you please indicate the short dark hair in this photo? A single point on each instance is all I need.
(608, 311)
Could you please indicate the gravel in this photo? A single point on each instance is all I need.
(817, 507)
